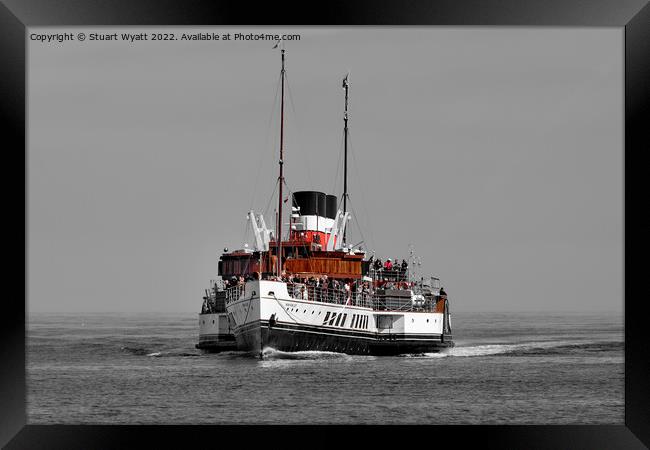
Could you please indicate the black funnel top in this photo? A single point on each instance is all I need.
(311, 203)
(331, 202)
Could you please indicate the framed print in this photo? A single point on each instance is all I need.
(427, 216)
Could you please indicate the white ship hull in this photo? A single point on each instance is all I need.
(215, 334)
(264, 315)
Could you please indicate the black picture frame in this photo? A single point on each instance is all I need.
(633, 15)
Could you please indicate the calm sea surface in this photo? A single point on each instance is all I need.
(505, 369)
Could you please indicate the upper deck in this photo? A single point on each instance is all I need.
(419, 300)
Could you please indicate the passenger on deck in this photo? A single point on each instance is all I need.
(378, 264)
(405, 265)
(388, 265)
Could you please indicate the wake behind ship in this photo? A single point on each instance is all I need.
(309, 289)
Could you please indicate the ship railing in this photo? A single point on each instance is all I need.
(383, 274)
(234, 292)
(403, 304)
(300, 291)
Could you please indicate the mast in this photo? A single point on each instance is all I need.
(281, 177)
(346, 86)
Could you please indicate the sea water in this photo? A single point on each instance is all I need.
(505, 369)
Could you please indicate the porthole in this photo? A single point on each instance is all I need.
(412, 320)
(427, 320)
(213, 322)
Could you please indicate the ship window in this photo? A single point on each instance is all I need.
(338, 319)
(354, 317)
(213, 322)
(327, 316)
(345, 316)
(332, 319)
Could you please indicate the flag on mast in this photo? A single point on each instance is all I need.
(345, 80)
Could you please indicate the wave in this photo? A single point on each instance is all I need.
(173, 354)
(143, 351)
(269, 353)
(139, 351)
(533, 348)
(539, 348)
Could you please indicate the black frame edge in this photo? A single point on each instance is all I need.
(637, 96)
(12, 325)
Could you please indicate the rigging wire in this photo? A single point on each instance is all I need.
(357, 222)
(247, 227)
(290, 196)
(268, 205)
(338, 166)
(266, 141)
(363, 197)
(310, 180)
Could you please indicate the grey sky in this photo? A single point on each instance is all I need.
(497, 152)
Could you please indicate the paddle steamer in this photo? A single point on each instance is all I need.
(309, 289)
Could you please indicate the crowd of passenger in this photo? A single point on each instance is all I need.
(389, 269)
(387, 275)
(346, 290)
